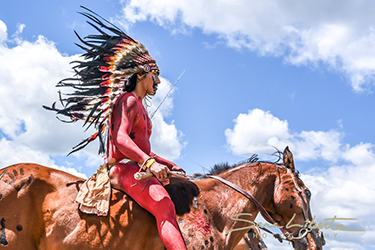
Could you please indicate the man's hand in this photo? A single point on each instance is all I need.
(176, 168)
(161, 172)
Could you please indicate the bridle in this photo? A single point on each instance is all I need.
(285, 234)
(306, 215)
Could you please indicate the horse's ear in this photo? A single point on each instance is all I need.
(288, 159)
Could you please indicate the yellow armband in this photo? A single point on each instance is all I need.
(149, 163)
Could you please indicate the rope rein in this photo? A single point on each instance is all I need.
(285, 234)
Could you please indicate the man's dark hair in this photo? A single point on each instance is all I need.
(131, 83)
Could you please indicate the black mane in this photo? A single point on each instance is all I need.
(222, 167)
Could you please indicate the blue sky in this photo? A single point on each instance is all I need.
(258, 74)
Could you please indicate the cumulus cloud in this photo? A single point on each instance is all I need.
(258, 131)
(30, 71)
(344, 187)
(303, 32)
(166, 140)
(13, 153)
(344, 191)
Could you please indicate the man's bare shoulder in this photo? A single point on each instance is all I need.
(127, 100)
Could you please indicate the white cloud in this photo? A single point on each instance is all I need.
(30, 71)
(3, 31)
(314, 144)
(345, 191)
(338, 35)
(162, 94)
(258, 131)
(13, 153)
(166, 140)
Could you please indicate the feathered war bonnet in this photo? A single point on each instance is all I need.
(109, 62)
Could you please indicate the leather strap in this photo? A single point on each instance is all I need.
(262, 210)
(299, 190)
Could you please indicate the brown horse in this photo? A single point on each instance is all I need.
(37, 211)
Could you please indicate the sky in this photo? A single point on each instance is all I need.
(258, 75)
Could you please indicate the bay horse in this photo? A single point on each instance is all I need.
(38, 211)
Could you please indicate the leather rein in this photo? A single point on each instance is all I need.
(287, 236)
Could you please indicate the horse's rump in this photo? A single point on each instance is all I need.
(16, 195)
(38, 211)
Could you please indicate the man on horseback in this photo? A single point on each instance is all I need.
(112, 82)
(129, 133)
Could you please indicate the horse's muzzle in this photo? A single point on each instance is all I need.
(314, 240)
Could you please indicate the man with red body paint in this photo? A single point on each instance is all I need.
(129, 133)
(109, 87)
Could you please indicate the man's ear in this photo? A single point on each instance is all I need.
(141, 76)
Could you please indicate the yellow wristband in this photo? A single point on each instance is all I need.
(149, 163)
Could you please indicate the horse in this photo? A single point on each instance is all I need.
(38, 211)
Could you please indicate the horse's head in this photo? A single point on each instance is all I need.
(291, 207)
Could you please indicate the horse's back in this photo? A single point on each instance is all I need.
(38, 211)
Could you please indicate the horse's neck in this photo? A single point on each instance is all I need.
(226, 202)
(256, 179)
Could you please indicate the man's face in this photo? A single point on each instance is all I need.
(153, 81)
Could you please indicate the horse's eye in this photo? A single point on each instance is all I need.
(308, 194)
